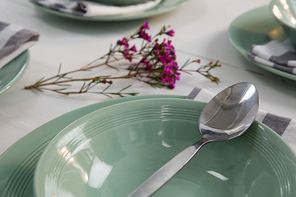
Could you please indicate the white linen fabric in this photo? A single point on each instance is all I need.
(276, 54)
(91, 9)
(13, 41)
(283, 126)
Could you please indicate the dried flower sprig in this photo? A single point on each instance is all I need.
(154, 63)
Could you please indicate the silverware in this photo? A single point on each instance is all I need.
(228, 115)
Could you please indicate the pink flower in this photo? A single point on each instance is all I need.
(171, 66)
(171, 33)
(144, 35)
(145, 26)
(165, 76)
(170, 77)
(134, 49)
(177, 76)
(165, 52)
(127, 55)
(123, 42)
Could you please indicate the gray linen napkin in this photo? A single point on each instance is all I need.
(285, 127)
(13, 41)
(90, 9)
(276, 54)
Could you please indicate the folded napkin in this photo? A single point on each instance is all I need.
(285, 127)
(276, 54)
(90, 9)
(13, 41)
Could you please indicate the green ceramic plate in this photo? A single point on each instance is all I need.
(256, 27)
(17, 164)
(163, 7)
(111, 151)
(11, 72)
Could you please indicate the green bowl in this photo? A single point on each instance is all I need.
(111, 151)
(119, 2)
(284, 11)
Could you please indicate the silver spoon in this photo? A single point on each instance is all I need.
(228, 115)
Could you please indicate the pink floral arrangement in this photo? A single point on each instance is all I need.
(153, 63)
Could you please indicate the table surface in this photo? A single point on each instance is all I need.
(201, 28)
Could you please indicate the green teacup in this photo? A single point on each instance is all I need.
(119, 2)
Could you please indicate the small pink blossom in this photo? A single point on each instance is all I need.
(127, 55)
(134, 49)
(146, 26)
(171, 33)
(145, 36)
(123, 42)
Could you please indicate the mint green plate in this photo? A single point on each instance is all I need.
(11, 72)
(111, 151)
(17, 164)
(163, 7)
(257, 26)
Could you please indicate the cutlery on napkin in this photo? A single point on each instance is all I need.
(276, 54)
(90, 9)
(285, 127)
(13, 41)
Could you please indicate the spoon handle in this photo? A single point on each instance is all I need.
(167, 171)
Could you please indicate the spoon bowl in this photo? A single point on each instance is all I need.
(228, 115)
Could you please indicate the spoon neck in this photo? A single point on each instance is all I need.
(200, 143)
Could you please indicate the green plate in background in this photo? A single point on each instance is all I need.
(163, 7)
(111, 151)
(11, 72)
(256, 27)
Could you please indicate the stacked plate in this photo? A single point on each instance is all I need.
(11, 72)
(257, 27)
(164, 7)
(110, 148)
